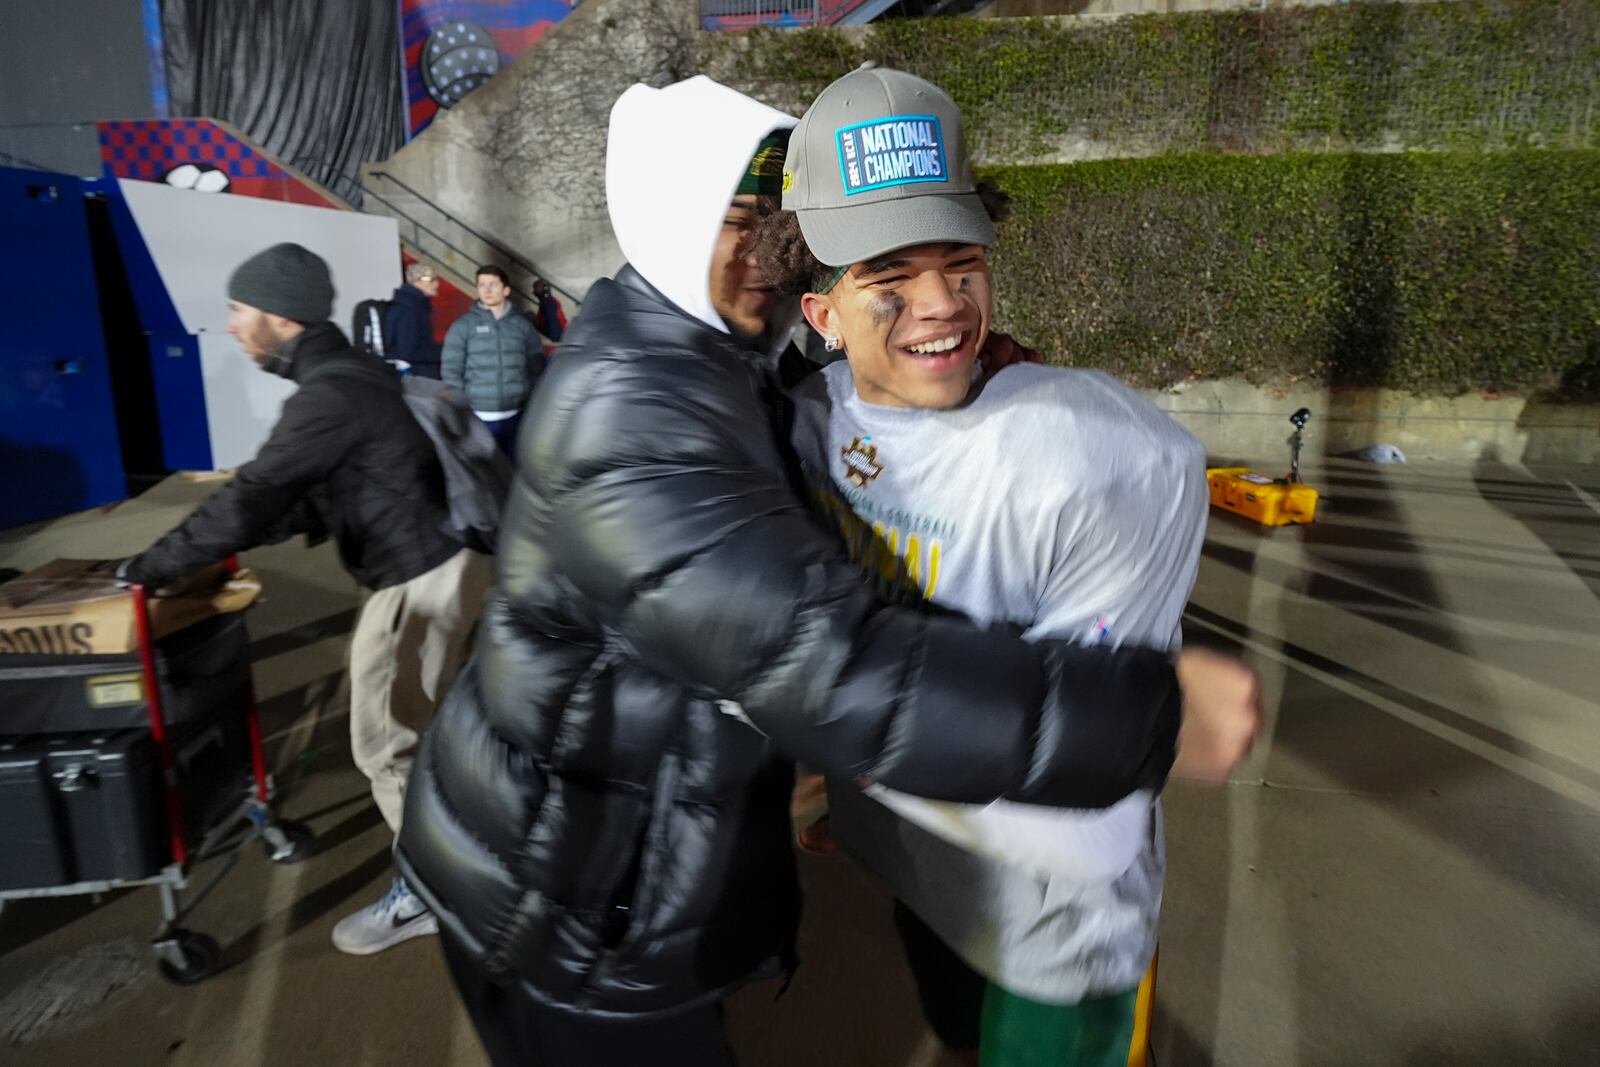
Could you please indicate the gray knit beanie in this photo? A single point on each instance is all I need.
(287, 280)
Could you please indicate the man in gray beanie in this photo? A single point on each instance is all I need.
(346, 459)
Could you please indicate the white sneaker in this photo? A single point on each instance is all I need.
(399, 916)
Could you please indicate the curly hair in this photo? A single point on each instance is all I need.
(785, 261)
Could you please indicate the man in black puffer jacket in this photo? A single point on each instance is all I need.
(346, 458)
(601, 832)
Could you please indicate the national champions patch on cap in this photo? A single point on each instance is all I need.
(879, 162)
(898, 150)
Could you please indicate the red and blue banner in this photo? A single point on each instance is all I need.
(151, 149)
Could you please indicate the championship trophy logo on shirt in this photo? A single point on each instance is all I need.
(861, 462)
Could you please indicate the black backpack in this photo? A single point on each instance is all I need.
(366, 328)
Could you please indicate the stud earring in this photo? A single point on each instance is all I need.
(831, 343)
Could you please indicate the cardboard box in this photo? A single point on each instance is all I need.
(74, 607)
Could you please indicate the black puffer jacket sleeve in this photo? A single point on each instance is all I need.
(669, 513)
(262, 503)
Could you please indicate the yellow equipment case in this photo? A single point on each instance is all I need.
(1257, 497)
(1269, 501)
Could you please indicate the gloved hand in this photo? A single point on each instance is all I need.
(119, 572)
(125, 573)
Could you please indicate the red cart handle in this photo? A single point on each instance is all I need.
(158, 721)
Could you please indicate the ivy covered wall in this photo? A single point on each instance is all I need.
(1464, 75)
(1436, 272)
(1370, 193)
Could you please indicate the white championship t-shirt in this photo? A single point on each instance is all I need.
(1063, 503)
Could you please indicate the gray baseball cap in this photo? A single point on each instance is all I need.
(879, 162)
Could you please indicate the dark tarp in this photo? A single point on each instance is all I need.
(315, 82)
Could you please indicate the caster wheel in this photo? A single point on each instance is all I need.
(200, 956)
(286, 841)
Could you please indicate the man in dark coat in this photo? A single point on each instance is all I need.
(346, 459)
(548, 318)
(408, 322)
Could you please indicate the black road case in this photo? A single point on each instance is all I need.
(204, 672)
(80, 808)
(128, 769)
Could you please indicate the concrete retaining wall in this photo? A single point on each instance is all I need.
(1238, 420)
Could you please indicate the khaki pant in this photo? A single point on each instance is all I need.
(409, 643)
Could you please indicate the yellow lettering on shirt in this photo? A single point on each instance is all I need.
(876, 549)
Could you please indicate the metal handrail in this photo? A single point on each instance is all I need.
(526, 296)
(744, 14)
(521, 261)
(801, 11)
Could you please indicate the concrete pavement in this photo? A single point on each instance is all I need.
(1406, 873)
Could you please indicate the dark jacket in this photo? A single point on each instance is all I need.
(549, 319)
(408, 331)
(492, 362)
(588, 815)
(346, 457)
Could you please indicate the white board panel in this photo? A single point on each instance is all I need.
(197, 239)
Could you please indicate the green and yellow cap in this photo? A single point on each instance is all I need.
(764, 175)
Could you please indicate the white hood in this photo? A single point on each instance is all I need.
(674, 157)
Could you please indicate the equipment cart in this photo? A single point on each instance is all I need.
(130, 768)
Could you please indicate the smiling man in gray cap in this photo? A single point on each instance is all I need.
(346, 459)
(1053, 501)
